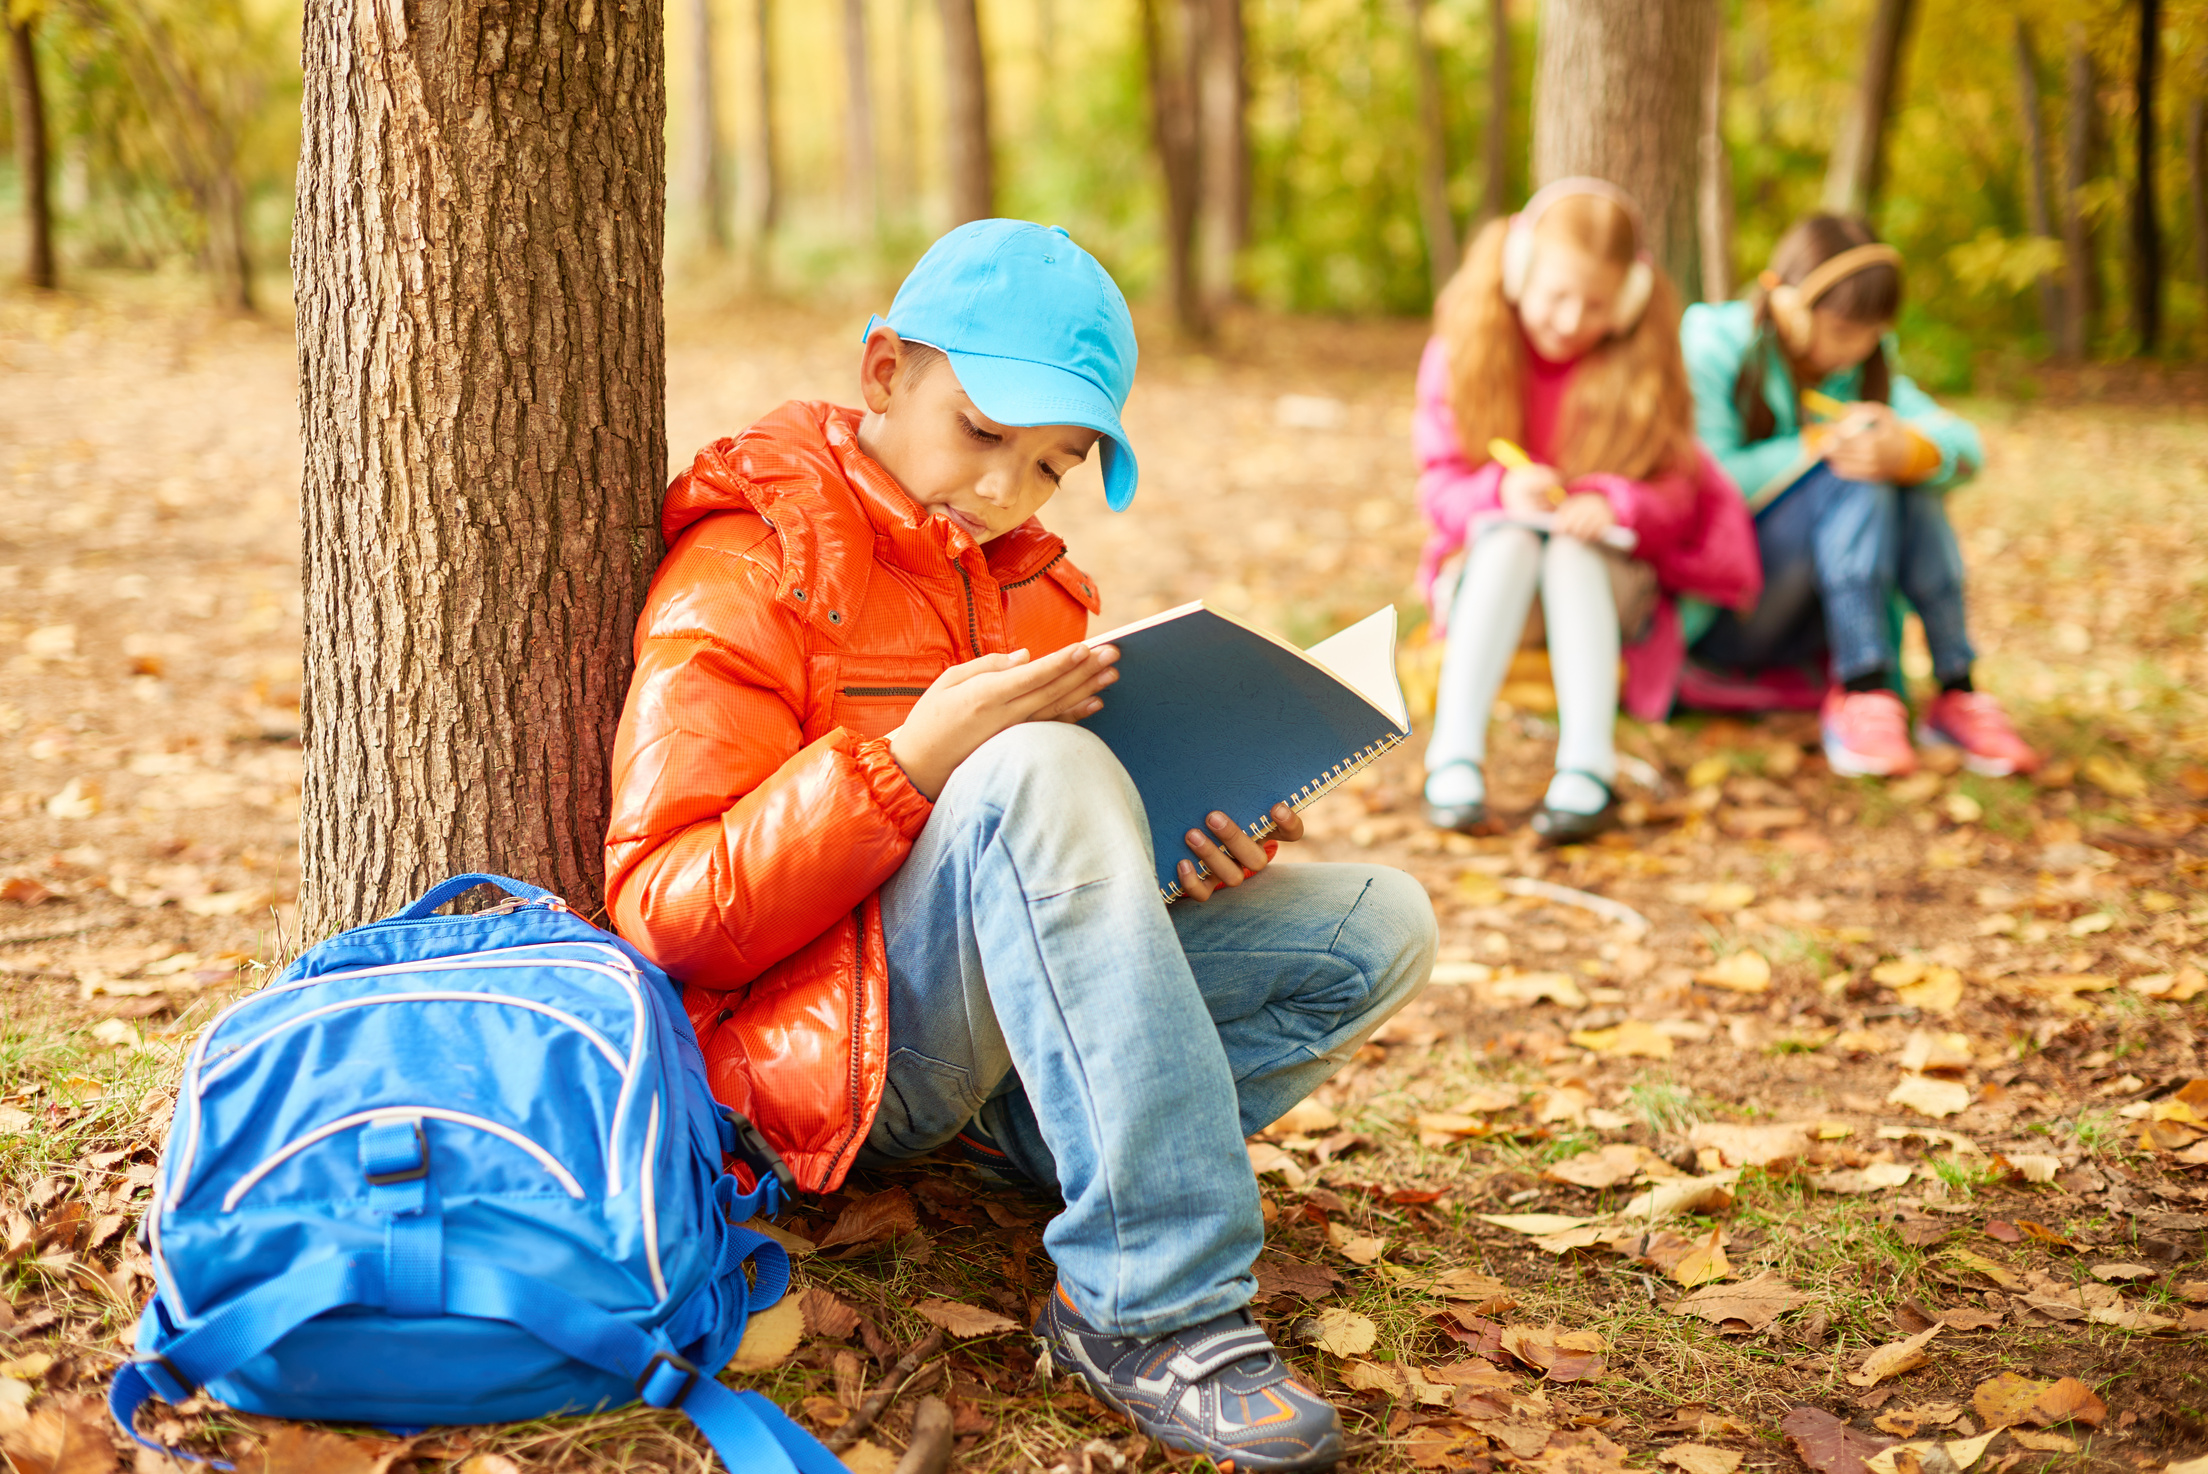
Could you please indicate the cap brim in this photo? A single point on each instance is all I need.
(1014, 391)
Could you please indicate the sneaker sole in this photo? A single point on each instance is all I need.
(1850, 764)
(1983, 766)
(1179, 1438)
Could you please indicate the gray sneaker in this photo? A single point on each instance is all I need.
(1218, 1389)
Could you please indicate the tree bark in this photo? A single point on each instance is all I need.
(759, 189)
(1618, 94)
(2035, 175)
(862, 177)
(2196, 170)
(481, 211)
(708, 170)
(1495, 189)
(31, 164)
(1433, 158)
(972, 164)
(2080, 133)
(1715, 180)
(2146, 225)
(1173, 69)
(901, 183)
(1224, 93)
(1858, 164)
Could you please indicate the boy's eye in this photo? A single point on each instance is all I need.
(1049, 472)
(977, 433)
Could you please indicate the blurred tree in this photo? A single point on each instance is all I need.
(1618, 94)
(862, 180)
(482, 395)
(759, 186)
(1858, 164)
(2080, 141)
(967, 144)
(1714, 180)
(1495, 188)
(2196, 173)
(2041, 218)
(1223, 120)
(1433, 157)
(1172, 49)
(32, 165)
(708, 172)
(2146, 227)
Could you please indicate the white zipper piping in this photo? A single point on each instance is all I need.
(612, 1056)
(650, 1203)
(299, 1144)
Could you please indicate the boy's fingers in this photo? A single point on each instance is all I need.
(1287, 824)
(1193, 886)
(1222, 866)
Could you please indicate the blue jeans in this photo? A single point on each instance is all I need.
(1834, 551)
(1123, 1048)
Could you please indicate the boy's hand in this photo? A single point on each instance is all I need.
(1532, 488)
(1236, 859)
(1584, 515)
(971, 703)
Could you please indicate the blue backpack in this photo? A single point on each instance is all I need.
(462, 1169)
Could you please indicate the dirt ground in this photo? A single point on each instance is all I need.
(1859, 1064)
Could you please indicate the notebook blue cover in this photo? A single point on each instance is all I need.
(1211, 713)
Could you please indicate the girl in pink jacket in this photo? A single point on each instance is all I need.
(1559, 336)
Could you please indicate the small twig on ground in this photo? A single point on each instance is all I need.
(880, 1398)
(1564, 895)
(929, 1451)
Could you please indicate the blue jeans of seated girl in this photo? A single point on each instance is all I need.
(1123, 1048)
(1833, 551)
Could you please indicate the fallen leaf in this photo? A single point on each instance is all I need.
(964, 1321)
(2129, 1318)
(2068, 1400)
(1490, 1098)
(1963, 1318)
(24, 891)
(1930, 1097)
(1346, 1333)
(1356, 1248)
(2030, 1166)
(488, 1464)
(1967, 1451)
(1446, 1126)
(14, 1120)
(1604, 1167)
(1926, 1052)
(2044, 1443)
(1289, 1277)
(1828, 1445)
(1559, 988)
(1700, 1458)
(292, 1449)
(1877, 1177)
(2113, 776)
(1559, 1355)
(2122, 1273)
(1708, 1194)
(1752, 1146)
(868, 1457)
(1705, 1263)
(1907, 1422)
(1534, 1224)
(1267, 1160)
(1754, 1303)
(1465, 1284)
(826, 1315)
(1304, 1118)
(796, 1244)
(2006, 1400)
(873, 1218)
(1894, 1358)
(1939, 990)
(2189, 1466)
(1745, 971)
(1631, 1039)
(770, 1336)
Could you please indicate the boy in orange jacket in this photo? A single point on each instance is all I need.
(912, 901)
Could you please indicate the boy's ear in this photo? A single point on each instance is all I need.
(878, 363)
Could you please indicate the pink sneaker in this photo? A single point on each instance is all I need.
(1975, 722)
(1867, 734)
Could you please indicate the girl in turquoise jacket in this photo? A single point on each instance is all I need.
(1850, 507)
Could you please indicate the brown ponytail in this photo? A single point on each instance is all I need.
(1871, 295)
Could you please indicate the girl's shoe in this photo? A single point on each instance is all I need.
(1460, 807)
(1867, 734)
(1975, 722)
(1573, 826)
(1218, 1389)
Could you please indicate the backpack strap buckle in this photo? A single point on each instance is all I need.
(658, 1373)
(388, 1157)
(185, 1386)
(744, 1141)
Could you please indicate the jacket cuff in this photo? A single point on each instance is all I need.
(904, 805)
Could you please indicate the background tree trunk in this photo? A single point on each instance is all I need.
(1495, 189)
(2146, 226)
(2196, 171)
(1858, 163)
(1433, 158)
(759, 187)
(2080, 132)
(1618, 94)
(2035, 175)
(1714, 180)
(902, 181)
(1224, 107)
(482, 395)
(708, 170)
(31, 164)
(972, 164)
(862, 179)
(1173, 69)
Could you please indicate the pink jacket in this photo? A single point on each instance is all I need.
(1695, 531)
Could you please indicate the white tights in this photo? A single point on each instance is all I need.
(1485, 622)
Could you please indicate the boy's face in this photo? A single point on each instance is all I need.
(953, 460)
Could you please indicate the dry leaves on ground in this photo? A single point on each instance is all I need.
(1345, 1333)
(1828, 1445)
(61, 1440)
(1748, 1306)
(1699, 1458)
(1928, 1096)
(1559, 1355)
(873, 1218)
(1603, 1167)
(770, 1336)
(1745, 971)
(2010, 1399)
(1896, 1357)
(964, 1321)
(1753, 1146)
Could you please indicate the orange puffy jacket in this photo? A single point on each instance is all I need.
(804, 604)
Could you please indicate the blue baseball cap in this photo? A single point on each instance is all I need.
(1035, 329)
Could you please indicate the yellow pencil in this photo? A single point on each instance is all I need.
(1823, 404)
(1514, 459)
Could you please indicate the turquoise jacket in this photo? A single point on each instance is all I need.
(1715, 337)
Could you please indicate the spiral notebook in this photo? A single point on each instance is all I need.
(1210, 712)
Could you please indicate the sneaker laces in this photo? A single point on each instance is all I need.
(1875, 714)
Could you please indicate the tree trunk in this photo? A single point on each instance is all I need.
(862, 180)
(2146, 227)
(972, 165)
(1495, 189)
(1226, 149)
(708, 172)
(1715, 180)
(760, 187)
(1858, 163)
(1173, 68)
(482, 397)
(2035, 175)
(2196, 170)
(1433, 158)
(2080, 132)
(1618, 94)
(902, 181)
(30, 156)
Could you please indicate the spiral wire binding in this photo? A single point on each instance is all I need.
(1303, 798)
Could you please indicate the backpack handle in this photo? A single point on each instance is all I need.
(447, 890)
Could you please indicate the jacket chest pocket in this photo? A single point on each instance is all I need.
(869, 698)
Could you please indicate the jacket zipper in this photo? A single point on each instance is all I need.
(885, 690)
(1038, 573)
(973, 630)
